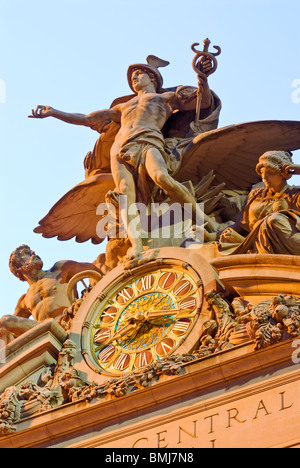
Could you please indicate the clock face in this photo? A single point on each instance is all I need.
(144, 318)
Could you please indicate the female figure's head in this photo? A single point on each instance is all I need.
(270, 168)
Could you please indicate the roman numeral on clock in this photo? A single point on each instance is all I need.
(102, 335)
(109, 315)
(122, 362)
(143, 359)
(181, 327)
(165, 347)
(189, 303)
(125, 295)
(106, 354)
(182, 288)
(145, 283)
(167, 280)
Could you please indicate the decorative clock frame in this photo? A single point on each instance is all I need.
(177, 279)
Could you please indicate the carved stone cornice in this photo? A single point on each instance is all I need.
(256, 276)
(196, 379)
(37, 348)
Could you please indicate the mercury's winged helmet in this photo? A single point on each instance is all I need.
(153, 63)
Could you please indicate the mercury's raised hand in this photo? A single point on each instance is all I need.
(205, 66)
(41, 112)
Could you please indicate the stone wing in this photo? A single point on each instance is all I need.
(233, 151)
(74, 215)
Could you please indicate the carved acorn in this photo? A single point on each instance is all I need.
(290, 301)
(280, 312)
(277, 300)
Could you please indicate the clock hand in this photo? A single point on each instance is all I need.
(147, 316)
(126, 331)
(180, 313)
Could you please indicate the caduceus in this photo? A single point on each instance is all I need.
(198, 63)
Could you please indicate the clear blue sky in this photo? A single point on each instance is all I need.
(74, 54)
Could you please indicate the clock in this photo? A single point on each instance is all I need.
(143, 315)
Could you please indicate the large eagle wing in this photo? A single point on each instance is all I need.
(233, 151)
(74, 215)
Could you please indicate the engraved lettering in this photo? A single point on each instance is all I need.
(139, 440)
(234, 416)
(161, 439)
(211, 422)
(283, 407)
(261, 407)
(194, 434)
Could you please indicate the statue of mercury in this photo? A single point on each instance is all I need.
(138, 149)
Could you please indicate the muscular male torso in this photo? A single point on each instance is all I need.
(47, 298)
(144, 112)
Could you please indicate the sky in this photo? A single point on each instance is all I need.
(73, 55)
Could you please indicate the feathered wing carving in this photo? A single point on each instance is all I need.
(74, 215)
(233, 151)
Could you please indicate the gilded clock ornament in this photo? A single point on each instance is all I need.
(144, 317)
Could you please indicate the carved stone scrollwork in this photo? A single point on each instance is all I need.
(274, 320)
(225, 329)
(68, 315)
(267, 323)
(133, 381)
(9, 410)
(52, 390)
